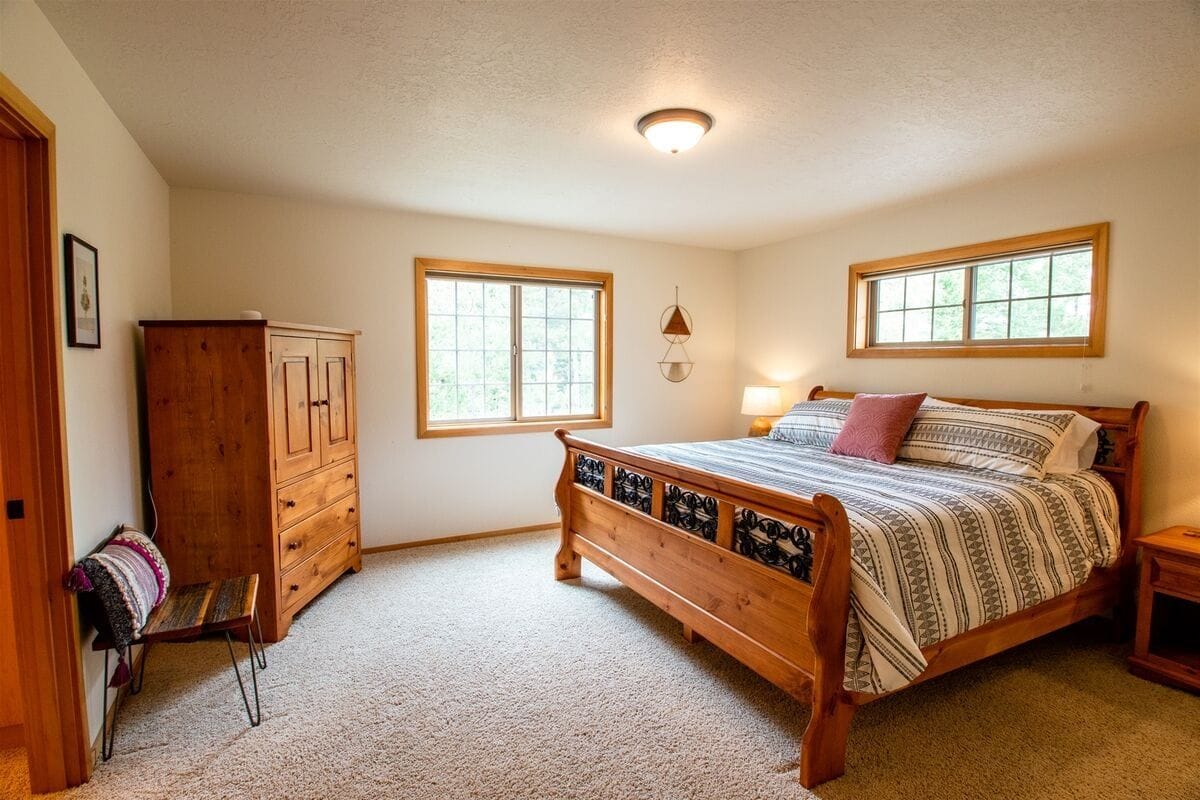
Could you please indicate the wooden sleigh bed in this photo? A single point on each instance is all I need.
(616, 509)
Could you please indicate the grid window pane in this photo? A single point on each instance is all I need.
(583, 367)
(439, 296)
(470, 401)
(583, 398)
(583, 304)
(497, 333)
(499, 400)
(558, 366)
(1070, 316)
(533, 301)
(497, 367)
(558, 334)
(583, 334)
(948, 287)
(533, 366)
(1031, 277)
(1072, 273)
(470, 332)
(558, 302)
(890, 327)
(469, 298)
(558, 398)
(948, 324)
(991, 282)
(918, 325)
(533, 400)
(890, 294)
(443, 402)
(1029, 319)
(991, 321)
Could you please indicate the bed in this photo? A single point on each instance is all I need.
(841, 580)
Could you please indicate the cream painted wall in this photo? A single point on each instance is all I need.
(791, 300)
(353, 267)
(111, 196)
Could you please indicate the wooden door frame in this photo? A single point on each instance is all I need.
(34, 445)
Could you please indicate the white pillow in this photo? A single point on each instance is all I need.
(1075, 452)
(1011, 441)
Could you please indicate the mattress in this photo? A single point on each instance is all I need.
(936, 550)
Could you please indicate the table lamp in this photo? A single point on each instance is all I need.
(763, 403)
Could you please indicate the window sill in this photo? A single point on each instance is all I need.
(982, 351)
(495, 428)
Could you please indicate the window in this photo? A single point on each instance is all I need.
(506, 349)
(1040, 295)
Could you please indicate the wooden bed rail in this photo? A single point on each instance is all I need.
(702, 548)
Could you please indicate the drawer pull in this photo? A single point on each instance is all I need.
(350, 509)
(295, 587)
(293, 545)
(316, 403)
(353, 543)
(290, 504)
(349, 476)
(324, 402)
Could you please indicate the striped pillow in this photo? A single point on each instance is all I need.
(815, 423)
(1002, 440)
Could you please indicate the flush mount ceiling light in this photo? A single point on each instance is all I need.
(673, 130)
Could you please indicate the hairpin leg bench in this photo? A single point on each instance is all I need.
(186, 614)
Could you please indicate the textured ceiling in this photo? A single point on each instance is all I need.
(525, 112)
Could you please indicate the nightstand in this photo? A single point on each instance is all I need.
(1167, 646)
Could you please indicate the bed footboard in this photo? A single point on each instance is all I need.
(704, 549)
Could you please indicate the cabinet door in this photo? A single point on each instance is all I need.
(295, 405)
(336, 359)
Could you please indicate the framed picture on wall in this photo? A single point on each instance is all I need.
(83, 293)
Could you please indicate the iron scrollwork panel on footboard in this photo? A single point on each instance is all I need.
(774, 543)
(691, 511)
(632, 489)
(589, 472)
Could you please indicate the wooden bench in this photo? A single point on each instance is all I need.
(186, 614)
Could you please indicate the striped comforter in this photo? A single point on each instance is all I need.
(937, 550)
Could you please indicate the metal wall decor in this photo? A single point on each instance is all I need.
(676, 326)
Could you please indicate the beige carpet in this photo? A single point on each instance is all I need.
(465, 671)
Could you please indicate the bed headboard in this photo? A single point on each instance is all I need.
(1118, 459)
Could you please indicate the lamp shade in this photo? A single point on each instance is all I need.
(762, 401)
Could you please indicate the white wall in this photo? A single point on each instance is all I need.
(353, 267)
(791, 321)
(111, 196)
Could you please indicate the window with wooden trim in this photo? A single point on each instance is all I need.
(510, 349)
(1038, 295)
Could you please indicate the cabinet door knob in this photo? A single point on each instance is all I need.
(324, 402)
(316, 403)
(351, 509)
(353, 543)
(349, 476)
(295, 587)
(290, 504)
(293, 545)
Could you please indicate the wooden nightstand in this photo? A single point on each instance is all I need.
(1167, 646)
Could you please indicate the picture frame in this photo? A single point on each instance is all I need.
(83, 293)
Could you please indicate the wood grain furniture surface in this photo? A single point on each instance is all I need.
(254, 456)
(791, 631)
(1167, 646)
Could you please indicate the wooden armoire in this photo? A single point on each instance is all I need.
(254, 456)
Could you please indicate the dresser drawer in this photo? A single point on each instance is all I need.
(1174, 575)
(306, 537)
(298, 585)
(298, 500)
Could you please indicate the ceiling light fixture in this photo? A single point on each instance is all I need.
(673, 130)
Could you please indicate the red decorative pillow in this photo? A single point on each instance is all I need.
(876, 425)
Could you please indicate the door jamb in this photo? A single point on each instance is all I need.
(35, 469)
